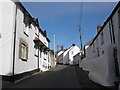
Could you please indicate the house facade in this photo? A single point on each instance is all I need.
(76, 59)
(52, 60)
(60, 57)
(102, 56)
(24, 46)
(66, 56)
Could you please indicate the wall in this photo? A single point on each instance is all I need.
(76, 59)
(75, 50)
(32, 62)
(101, 69)
(66, 56)
(7, 19)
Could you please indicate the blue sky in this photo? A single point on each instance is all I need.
(63, 18)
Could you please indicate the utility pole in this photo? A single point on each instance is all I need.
(80, 42)
(54, 49)
(80, 37)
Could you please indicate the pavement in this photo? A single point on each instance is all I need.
(61, 76)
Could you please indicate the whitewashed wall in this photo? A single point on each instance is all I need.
(102, 69)
(60, 57)
(66, 56)
(31, 64)
(76, 59)
(75, 51)
(6, 42)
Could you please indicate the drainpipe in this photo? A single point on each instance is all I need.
(116, 83)
(38, 51)
(14, 45)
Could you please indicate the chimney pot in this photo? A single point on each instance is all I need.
(98, 28)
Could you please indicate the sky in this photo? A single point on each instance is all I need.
(62, 19)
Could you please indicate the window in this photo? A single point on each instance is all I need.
(72, 52)
(102, 52)
(102, 38)
(27, 23)
(36, 52)
(93, 47)
(23, 51)
(98, 54)
(119, 18)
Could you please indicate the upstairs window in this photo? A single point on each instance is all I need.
(93, 48)
(102, 38)
(72, 52)
(36, 50)
(27, 23)
(98, 54)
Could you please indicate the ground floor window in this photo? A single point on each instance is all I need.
(23, 51)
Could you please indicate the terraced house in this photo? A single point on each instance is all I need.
(24, 46)
(102, 58)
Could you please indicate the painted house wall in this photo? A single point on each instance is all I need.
(7, 16)
(75, 50)
(76, 59)
(60, 57)
(102, 67)
(6, 42)
(66, 56)
(31, 63)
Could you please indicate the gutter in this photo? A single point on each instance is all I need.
(14, 45)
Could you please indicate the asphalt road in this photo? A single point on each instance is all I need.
(61, 76)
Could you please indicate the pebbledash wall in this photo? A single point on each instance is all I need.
(102, 55)
(19, 32)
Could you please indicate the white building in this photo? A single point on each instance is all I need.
(60, 57)
(24, 47)
(52, 60)
(102, 56)
(72, 51)
(77, 59)
(66, 56)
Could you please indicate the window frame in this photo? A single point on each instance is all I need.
(23, 48)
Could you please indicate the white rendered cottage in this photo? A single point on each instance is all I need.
(102, 56)
(70, 53)
(24, 47)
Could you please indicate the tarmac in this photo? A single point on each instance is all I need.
(61, 76)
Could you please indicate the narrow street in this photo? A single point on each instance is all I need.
(62, 76)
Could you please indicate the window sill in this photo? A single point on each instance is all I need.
(26, 34)
(24, 59)
(36, 34)
(35, 55)
(44, 59)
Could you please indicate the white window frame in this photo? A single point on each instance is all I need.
(23, 51)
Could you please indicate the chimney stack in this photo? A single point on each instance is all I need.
(98, 28)
(62, 48)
